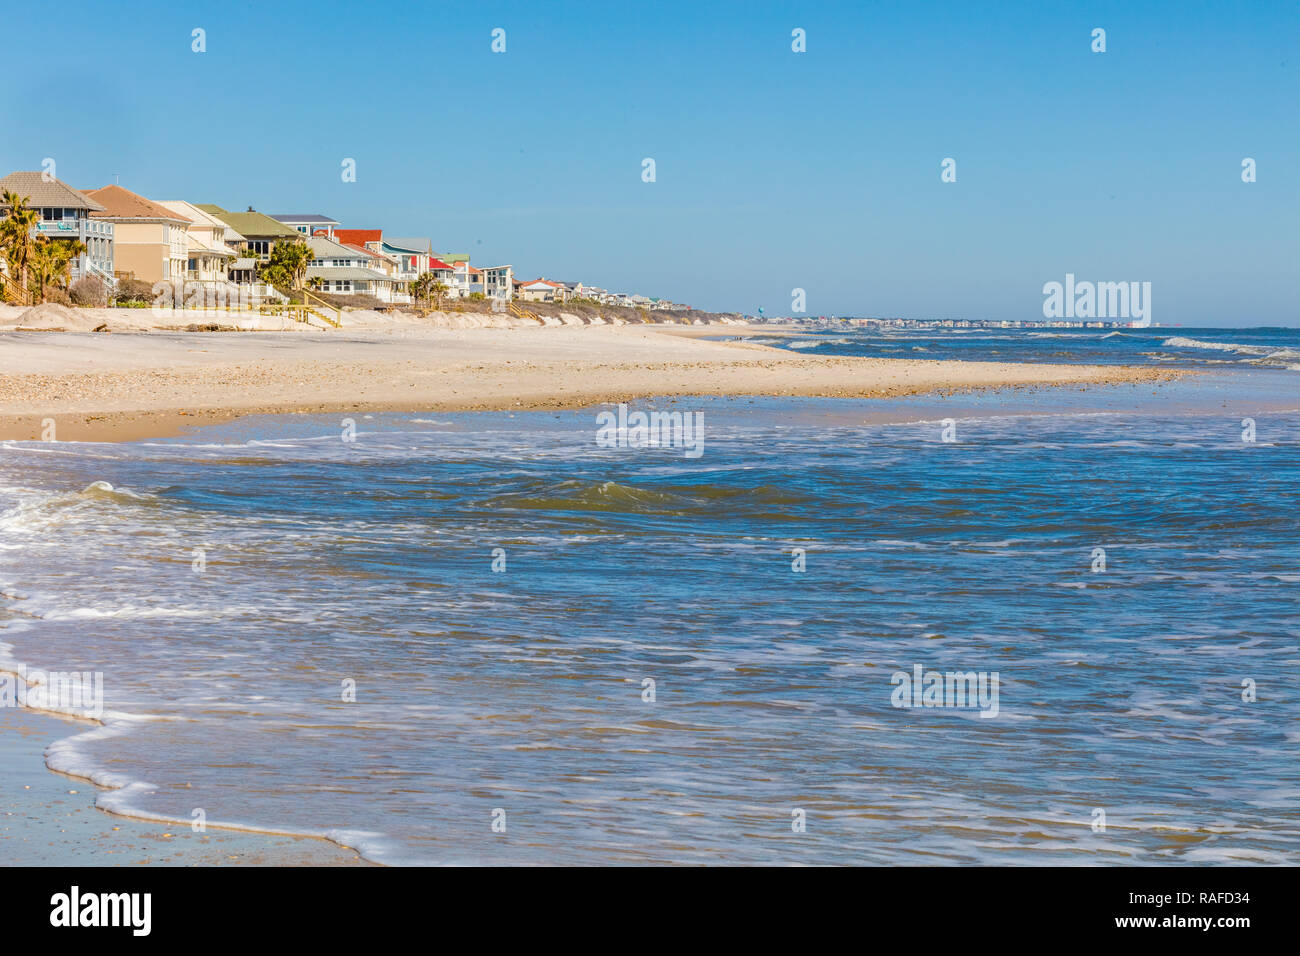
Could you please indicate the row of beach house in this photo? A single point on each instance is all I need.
(128, 236)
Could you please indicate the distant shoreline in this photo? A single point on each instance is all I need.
(130, 386)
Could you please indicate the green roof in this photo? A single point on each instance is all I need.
(251, 225)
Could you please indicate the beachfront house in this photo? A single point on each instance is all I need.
(443, 272)
(257, 234)
(543, 290)
(348, 270)
(596, 294)
(309, 224)
(498, 282)
(491, 282)
(211, 244)
(465, 280)
(372, 239)
(66, 214)
(387, 265)
(413, 255)
(149, 241)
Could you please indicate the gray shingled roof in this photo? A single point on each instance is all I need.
(322, 248)
(347, 272)
(414, 244)
(304, 217)
(41, 194)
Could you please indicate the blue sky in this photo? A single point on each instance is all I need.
(774, 169)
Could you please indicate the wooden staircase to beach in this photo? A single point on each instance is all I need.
(310, 307)
(519, 313)
(12, 294)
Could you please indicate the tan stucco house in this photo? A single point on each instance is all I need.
(149, 240)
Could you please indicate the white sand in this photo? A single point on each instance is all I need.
(123, 385)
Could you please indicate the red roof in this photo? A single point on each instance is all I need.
(358, 237)
(435, 263)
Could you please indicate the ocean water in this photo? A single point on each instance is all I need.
(227, 584)
(1203, 348)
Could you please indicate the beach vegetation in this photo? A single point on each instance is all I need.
(352, 300)
(89, 292)
(132, 293)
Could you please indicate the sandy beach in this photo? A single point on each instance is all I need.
(119, 386)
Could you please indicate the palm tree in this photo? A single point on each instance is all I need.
(287, 265)
(51, 261)
(16, 239)
(315, 283)
(300, 257)
(420, 287)
(43, 266)
(439, 289)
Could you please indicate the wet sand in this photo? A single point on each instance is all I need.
(48, 819)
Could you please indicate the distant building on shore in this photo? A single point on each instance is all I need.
(219, 249)
(542, 290)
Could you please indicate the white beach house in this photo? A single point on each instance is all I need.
(346, 270)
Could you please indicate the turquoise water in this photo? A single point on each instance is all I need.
(523, 690)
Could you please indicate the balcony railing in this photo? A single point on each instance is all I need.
(78, 228)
